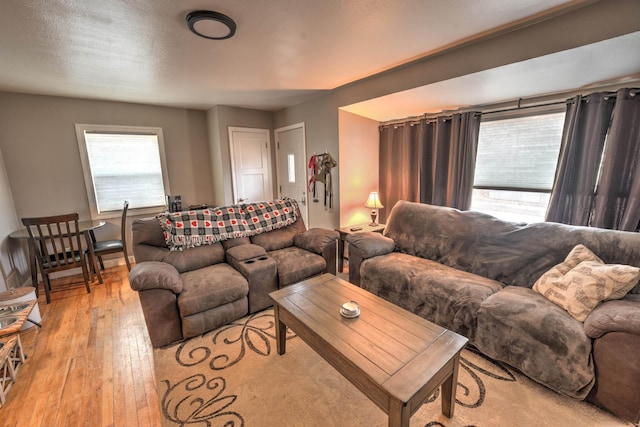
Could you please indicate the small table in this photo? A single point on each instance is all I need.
(345, 231)
(22, 295)
(11, 353)
(397, 359)
(11, 358)
(22, 316)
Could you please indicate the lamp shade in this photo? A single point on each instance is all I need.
(373, 202)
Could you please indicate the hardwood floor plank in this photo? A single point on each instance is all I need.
(122, 369)
(106, 378)
(91, 364)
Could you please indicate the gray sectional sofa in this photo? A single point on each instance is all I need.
(473, 274)
(187, 293)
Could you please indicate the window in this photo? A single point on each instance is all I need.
(123, 163)
(292, 168)
(515, 166)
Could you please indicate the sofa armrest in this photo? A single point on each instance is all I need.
(244, 252)
(316, 240)
(370, 244)
(155, 275)
(365, 245)
(614, 316)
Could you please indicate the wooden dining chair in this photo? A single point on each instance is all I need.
(106, 247)
(56, 242)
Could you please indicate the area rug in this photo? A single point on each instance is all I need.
(233, 377)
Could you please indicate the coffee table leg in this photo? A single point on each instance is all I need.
(449, 389)
(399, 414)
(281, 331)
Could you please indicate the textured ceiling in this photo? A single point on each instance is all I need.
(284, 51)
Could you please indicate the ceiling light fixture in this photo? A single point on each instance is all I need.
(211, 25)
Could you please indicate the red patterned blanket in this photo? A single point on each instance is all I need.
(188, 229)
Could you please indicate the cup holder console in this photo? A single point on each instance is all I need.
(251, 261)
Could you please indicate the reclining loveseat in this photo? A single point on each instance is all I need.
(223, 266)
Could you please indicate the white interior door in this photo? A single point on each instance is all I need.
(250, 164)
(291, 163)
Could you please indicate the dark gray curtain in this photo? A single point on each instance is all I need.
(399, 165)
(585, 129)
(617, 199)
(449, 148)
(429, 161)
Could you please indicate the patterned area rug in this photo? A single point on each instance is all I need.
(234, 377)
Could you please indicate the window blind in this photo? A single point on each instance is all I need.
(519, 153)
(125, 167)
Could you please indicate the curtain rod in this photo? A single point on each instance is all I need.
(526, 107)
(486, 110)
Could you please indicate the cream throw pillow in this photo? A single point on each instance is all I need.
(583, 281)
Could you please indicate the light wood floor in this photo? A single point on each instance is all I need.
(91, 363)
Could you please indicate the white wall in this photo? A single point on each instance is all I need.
(14, 269)
(320, 118)
(359, 153)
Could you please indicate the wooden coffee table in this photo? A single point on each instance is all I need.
(394, 357)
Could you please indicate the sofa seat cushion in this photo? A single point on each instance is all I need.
(295, 264)
(522, 328)
(205, 321)
(443, 295)
(210, 287)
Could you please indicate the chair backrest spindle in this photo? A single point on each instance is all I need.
(58, 239)
(56, 243)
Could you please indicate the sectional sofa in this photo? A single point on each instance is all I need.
(493, 282)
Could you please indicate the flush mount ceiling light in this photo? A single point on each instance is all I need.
(211, 25)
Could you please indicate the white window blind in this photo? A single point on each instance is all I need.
(519, 153)
(515, 166)
(123, 166)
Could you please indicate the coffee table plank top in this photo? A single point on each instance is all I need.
(394, 352)
(385, 317)
(377, 343)
(425, 365)
(386, 358)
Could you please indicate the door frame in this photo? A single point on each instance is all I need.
(304, 210)
(231, 129)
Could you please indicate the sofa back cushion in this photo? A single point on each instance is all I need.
(512, 253)
(149, 245)
(280, 238)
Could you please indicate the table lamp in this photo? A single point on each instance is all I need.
(373, 203)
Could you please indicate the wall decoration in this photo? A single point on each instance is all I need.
(320, 166)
